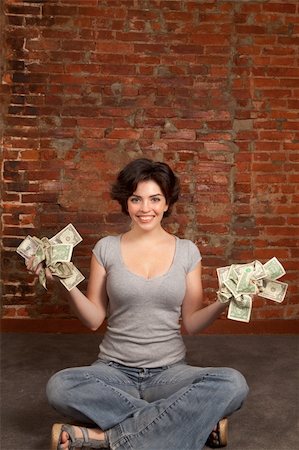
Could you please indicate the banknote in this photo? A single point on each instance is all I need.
(259, 271)
(72, 281)
(238, 283)
(61, 253)
(273, 269)
(243, 313)
(274, 290)
(232, 273)
(224, 295)
(242, 300)
(39, 256)
(257, 268)
(244, 284)
(56, 254)
(68, 235)
(28, 247)
(222, 273)
(231, 285)
(240, 268)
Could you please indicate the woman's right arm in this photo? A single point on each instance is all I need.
(91, 308)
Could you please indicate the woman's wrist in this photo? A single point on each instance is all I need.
(222, 306)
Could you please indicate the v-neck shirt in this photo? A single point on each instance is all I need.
(143, 328)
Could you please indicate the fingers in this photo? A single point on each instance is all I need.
(35, 270)
(29, 263)
(49, 275)
(31, 268)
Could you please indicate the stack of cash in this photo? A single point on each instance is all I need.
(55, 254)
(239, 282)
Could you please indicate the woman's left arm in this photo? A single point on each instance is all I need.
(195, 317)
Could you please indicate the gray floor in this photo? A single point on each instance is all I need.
(268, 419)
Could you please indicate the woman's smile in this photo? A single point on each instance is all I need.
(145, 218)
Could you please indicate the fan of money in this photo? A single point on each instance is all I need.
(56, 254)
(239, 282)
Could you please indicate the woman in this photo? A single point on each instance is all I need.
(140, 394)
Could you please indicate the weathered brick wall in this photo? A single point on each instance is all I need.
(211, 87)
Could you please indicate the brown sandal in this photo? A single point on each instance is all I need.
(219, 436)
(75, 443)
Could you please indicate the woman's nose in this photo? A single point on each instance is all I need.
(144, 206)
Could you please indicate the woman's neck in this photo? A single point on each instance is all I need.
(146, 236)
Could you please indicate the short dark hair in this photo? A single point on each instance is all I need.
(144, 169)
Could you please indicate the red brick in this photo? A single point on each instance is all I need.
(289, 8)
(57, 10)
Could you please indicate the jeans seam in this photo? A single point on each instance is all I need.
(117, 392)
(157, 418)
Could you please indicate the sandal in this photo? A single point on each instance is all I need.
(219, 436)
(75, 442)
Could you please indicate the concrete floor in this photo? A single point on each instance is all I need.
(268, 419)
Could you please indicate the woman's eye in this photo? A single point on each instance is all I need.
(134, 200)
(155, 199)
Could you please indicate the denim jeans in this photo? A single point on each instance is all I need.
(166, 408)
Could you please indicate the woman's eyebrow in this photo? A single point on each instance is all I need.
(154, 195)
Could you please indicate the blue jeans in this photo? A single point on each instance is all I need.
(166, 408)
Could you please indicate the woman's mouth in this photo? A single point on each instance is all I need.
(145, 219)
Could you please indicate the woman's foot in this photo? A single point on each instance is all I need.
(65, 437)
(219, 435)
(93, 433)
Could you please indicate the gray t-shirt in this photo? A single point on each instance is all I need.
(143, 327)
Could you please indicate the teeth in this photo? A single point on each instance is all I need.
(145, 218)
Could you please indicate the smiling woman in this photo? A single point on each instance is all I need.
(144, 170)
(147, 205)
(141, 393)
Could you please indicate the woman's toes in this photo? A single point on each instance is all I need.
(64, 441)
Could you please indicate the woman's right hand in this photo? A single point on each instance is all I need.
(36, 270)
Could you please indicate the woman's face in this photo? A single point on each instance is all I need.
(147, 205)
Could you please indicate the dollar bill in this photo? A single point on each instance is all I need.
(244, 284)
(224, 295)
(56, 254)
(68, 235)
(273, 269)
(28, 247)
(222, 273)
(239, 282)
(232, 273)
(274, 290)
(259, 271)
(240, 268)
(72, 281)
(238, 312)
(241, 300)
(231, 285)
(39, 256)
(61, 253)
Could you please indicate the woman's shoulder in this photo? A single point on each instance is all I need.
(188, 252)
(105, 247)
(106, 240)
(186, 243)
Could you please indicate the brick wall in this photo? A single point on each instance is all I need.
(211, 87)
